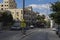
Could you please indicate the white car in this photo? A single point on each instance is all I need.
(54, 29)
(31, 26)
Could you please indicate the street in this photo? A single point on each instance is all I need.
(12, 35)
(42, 34)
(33, 34)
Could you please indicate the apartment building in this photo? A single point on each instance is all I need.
(17, 14)
(10, 5)
(30, 15)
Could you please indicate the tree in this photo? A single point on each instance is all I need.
(6, 18)
(55, 15)
(41, 22)
(38, 17)
(1, 19)
(41, 18)
(55, 6)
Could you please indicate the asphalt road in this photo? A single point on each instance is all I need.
(13, 35)
(34, 34)
(8, 34)
(42, 34)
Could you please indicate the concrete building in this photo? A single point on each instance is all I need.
(17, 14)
(10, 5)
(30, 15)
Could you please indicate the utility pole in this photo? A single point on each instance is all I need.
(23, 24)
(23, 7)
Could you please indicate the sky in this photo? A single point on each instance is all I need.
(41, 6)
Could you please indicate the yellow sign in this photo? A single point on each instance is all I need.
(23, 25)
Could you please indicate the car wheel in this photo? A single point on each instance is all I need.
(57, 33)
(59, 36)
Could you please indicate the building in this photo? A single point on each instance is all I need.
(29, 16)
(10, 5)
(17, 14)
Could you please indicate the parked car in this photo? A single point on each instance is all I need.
(57, 30)
(54, 29)
(59, 33)
(15, 27)
(31, 26)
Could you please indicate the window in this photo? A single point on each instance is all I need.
(6, 2)
(11, 2)
(5, 8)
(21, 12)
(6, 5)
(17, 13)
(1, 5)
(11, 5)
(17, 18)
(1, 8)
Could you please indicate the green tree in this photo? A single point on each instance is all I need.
(6, 18)
(38, 17)
(55, 6)
(55, 15)
(41, 18)
(1, 19)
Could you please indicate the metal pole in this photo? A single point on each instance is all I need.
(23, 7)
(24, 31)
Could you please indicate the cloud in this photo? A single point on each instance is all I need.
(41, 6)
